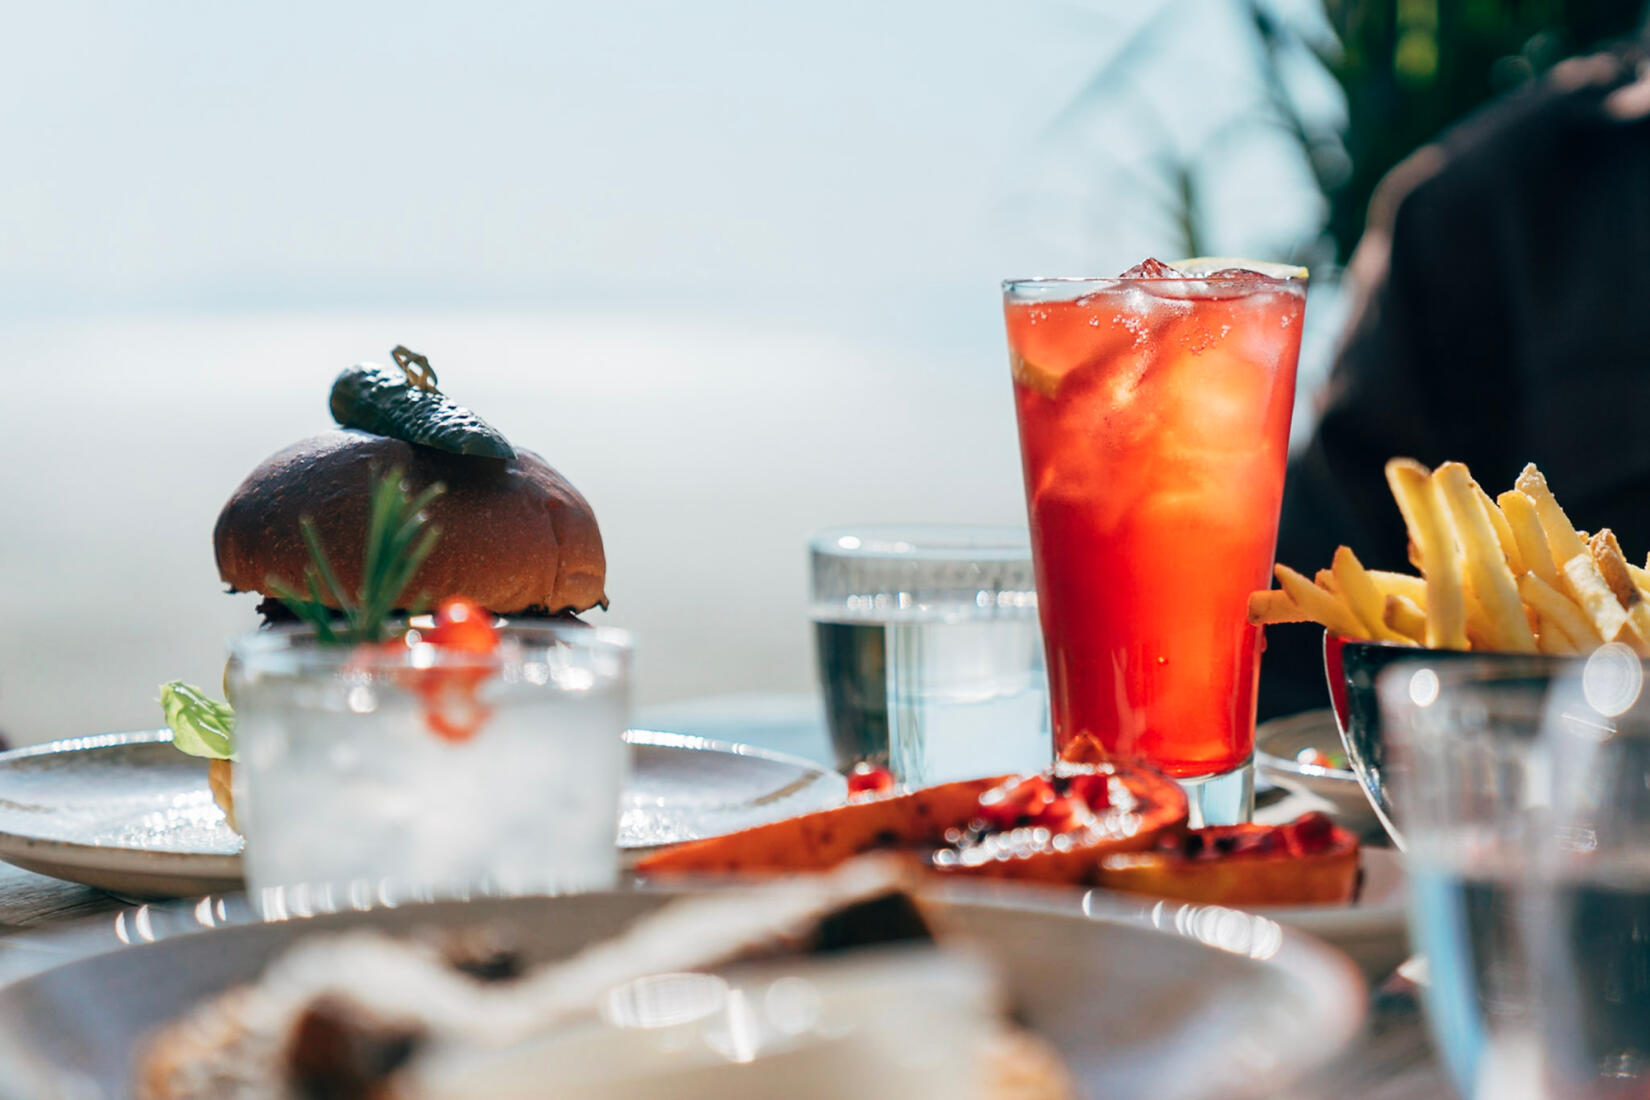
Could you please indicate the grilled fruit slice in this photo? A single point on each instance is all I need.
(825, 838)
(1057, 828)
(1310, 861)
(1049, 828)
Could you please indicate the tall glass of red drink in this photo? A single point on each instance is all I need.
(1154, 426)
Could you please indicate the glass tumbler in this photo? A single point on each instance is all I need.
(930, 659)
(1522, 787)
(376, 774)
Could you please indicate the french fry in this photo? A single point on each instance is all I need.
(1405, 616)
(1509, 573)
(1594, 597)
(1360, 594)
(1641, 577)
(1552, 639)
(1555, 606)
(1492, 582)
(1411, 588)
(1429, 529)
(1481, 629)
(1562, 539)
(1503, 530)
(1519, 512)
(1320, 606)
(1576, 567)
(1273, 605)
(1612, 567)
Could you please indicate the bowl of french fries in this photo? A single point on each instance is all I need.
(1507, 574)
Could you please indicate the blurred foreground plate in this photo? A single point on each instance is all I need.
(128, 813)
(1194, 1001)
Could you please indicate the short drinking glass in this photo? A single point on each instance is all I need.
(929, 654)
(1520, 785)
(373, 774)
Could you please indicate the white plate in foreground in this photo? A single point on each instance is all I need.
(1218, 1004)
(126, 812)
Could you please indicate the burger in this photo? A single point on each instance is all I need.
(516, 538)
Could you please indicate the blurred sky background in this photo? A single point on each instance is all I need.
(732, 267)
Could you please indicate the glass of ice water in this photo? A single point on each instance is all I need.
(371, 775)
(1523, 790)
(930, 656)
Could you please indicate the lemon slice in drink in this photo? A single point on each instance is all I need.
(1208, 265)
(1034, 378)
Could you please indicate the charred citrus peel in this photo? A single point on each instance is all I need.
(821, 840)
(1310, 861)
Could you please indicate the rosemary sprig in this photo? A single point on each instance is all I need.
(399, 538)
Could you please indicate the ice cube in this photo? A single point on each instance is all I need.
(1152, 268)
(1234, 282)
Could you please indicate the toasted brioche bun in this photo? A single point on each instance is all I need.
(514, 534)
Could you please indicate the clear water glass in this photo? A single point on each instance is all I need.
(350, 796)
(930, 656)
(1522, 786)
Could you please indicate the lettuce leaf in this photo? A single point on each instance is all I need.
(201, 726)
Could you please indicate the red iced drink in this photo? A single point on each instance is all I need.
(1154, 424)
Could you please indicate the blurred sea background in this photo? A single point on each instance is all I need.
(731, 267)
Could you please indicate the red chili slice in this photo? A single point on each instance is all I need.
(452, 707)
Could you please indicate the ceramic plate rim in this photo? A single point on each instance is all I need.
(218, 866)
(1268, 763)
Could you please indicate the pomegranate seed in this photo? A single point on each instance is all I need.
(1060, 815)
(1094, 788)
(1312, 832)
(868, 778)
(1016, 803)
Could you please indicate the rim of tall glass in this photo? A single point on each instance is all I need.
(295, 648)
(1020, 287)
(937, 542)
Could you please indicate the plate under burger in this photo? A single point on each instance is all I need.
(126, 812)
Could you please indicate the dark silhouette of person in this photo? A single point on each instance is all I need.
(1502, 316)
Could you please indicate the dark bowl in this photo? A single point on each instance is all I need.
(1353, 667)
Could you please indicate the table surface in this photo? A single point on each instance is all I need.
(1392, 1060)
